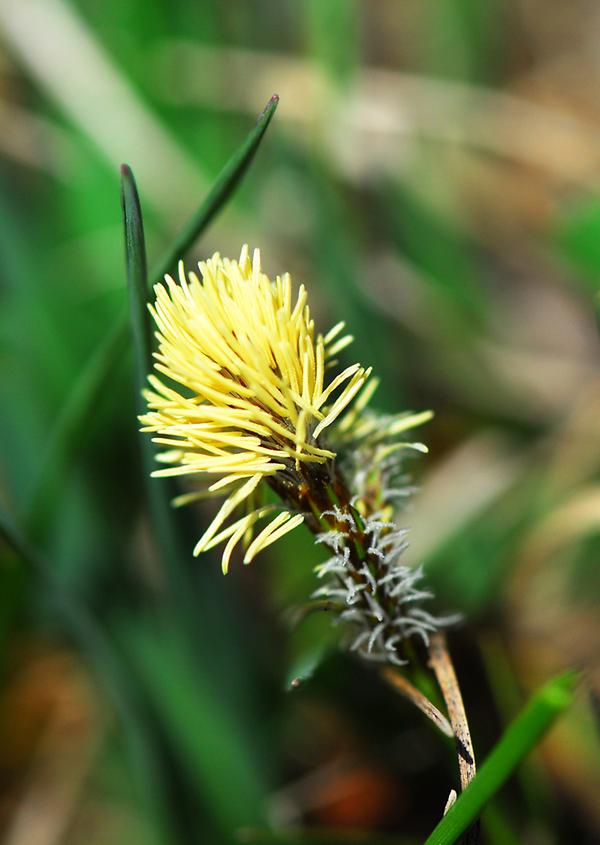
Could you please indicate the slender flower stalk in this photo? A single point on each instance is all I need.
(244, 401)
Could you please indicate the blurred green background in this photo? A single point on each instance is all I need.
(432, 174)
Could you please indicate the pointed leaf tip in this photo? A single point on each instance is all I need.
(87, 390)
(223, 189)
(136, 272)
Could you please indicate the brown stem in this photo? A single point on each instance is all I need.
(416, 697)
(441, 663)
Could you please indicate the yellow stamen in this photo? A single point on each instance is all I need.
(246, 394)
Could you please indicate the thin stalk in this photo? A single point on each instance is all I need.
(403, 686)
(520, 738)
(441, 663)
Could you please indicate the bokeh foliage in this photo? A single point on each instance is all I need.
(432, 175)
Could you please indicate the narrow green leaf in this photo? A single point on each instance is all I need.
(190, 619)
(67, 436)
(208, 740)
(159, 494)
(519, 739)
(226, 184)
(137, 274)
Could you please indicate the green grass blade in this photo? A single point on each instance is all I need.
(190, 617)
(68, 434)
(209, 743)
(227, 182)
(520, 738)
(137, 274)
(159, 492)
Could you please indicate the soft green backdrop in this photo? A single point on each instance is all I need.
(431, 173)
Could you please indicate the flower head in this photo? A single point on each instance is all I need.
(250, 398)
(247, 401)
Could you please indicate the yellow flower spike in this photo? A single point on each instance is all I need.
(282, 523)
(246, 394)
(226, 509)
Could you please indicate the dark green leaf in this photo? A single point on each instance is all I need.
(227, 182)
(137, 273)
(159, 493)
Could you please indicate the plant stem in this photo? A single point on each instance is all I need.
(441, 663)
(403, 686)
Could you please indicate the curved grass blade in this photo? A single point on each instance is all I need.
(159, 494)
(199, 727)
(136, 271)
(227, 182)
(520, 738)
(68, 435)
